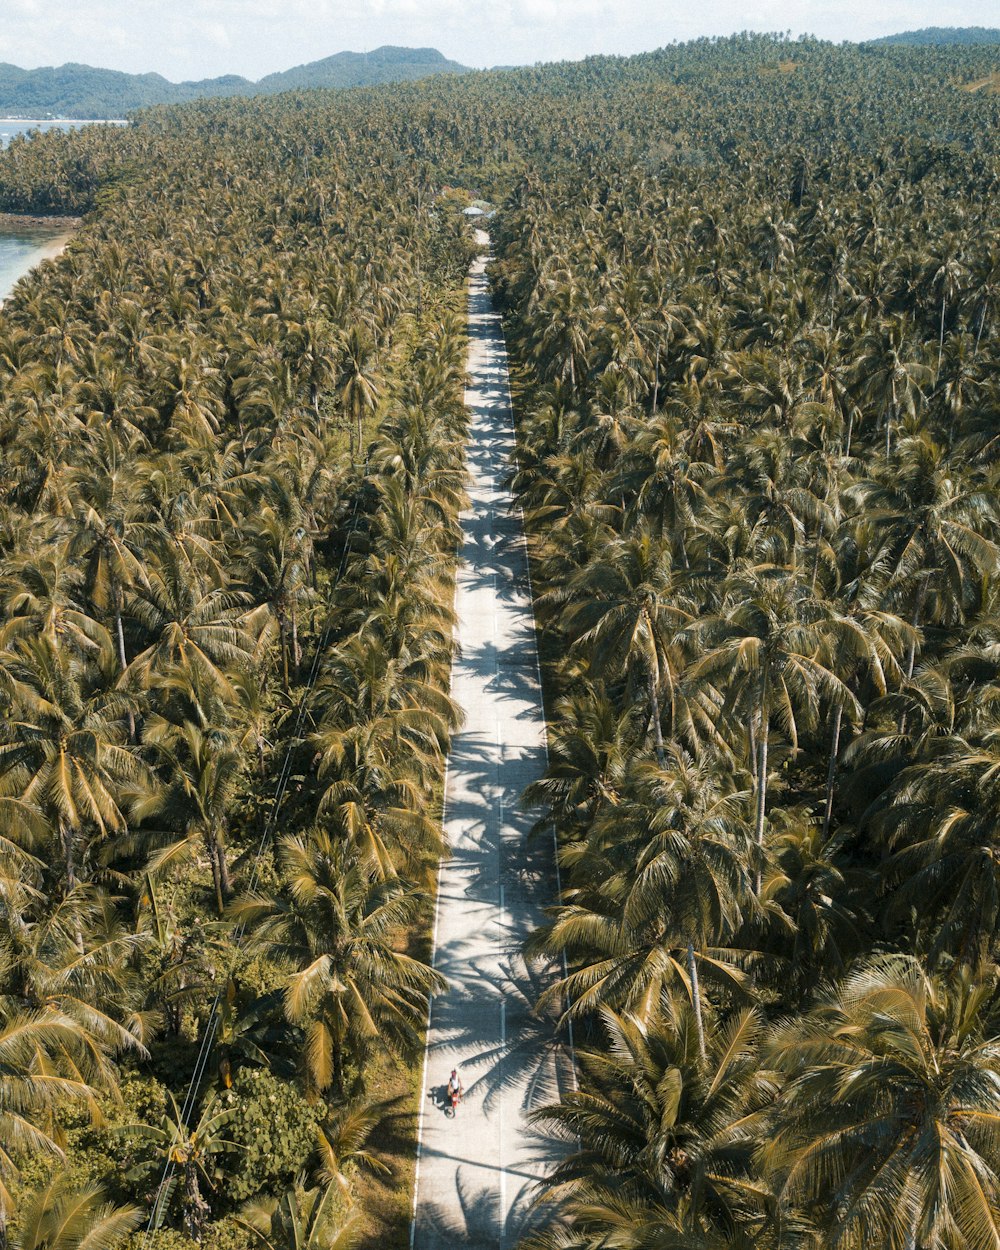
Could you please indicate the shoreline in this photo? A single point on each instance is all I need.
(62, 121)
(55, 247)
(35, 221)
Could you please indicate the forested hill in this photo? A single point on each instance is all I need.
(751, 296)
(944, 35)
(82, 91)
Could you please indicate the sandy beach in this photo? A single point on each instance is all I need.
(27, 241)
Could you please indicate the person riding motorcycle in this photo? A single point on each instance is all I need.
(455, 1090)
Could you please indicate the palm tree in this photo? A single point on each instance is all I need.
(660, 1134)
(194, 626)
(624, 610)
(76, 958)
(888, 1124)
(43, 1066)
(61, 751)
(380, 746)
(58, 1217)
(196, 750)
(108, 538)
(689, 855)
(360, 382)
(894, 375)
(937, 821)
(342, 1143)
(590, 746)
(300, 1220)
(770, 643)
(333, 925)
(941, 529)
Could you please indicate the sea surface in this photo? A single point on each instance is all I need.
(23, 246)
(11, 126)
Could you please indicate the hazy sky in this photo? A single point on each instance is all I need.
(204, 38)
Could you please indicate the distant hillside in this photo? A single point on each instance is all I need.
(82, 91)
(944, 35)
(361, 69)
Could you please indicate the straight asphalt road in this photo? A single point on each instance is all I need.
(476, 1172)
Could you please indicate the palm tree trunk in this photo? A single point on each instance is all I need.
(915, 622)
(120, 636)
(116, 599)
(654, 707)
(656, 379)
(220, 869)
(196, 1209)
(699, 1024)
(831, 771)
(765, 717)
(284, 652)
(69, 859)
(979, 332)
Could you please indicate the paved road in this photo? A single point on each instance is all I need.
(476, 1172)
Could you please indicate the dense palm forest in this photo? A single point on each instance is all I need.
(751, 292)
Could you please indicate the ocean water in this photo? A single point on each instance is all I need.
(23, 246)
(11, 126)
(20, 250)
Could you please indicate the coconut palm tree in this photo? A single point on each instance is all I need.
(769, 645)
(888, 1124)
(302, 1219)
(44, 1065)
(661, 1135)
(62, 752)
(59, 1217)
(624, 609)
(333, 926)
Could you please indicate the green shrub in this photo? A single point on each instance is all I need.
(275, 1128)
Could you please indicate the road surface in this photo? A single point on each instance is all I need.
(476, 1173)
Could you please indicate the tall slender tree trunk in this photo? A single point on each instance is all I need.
(831, 770)
(915, 622)
(69, 856)
(116, 599)
(979, 332)
(654, 707)
(699, 1023)
(196, 1209)
(282, 632)
(656, 379)
(120, 636)
(765, 716)
(220, 869)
